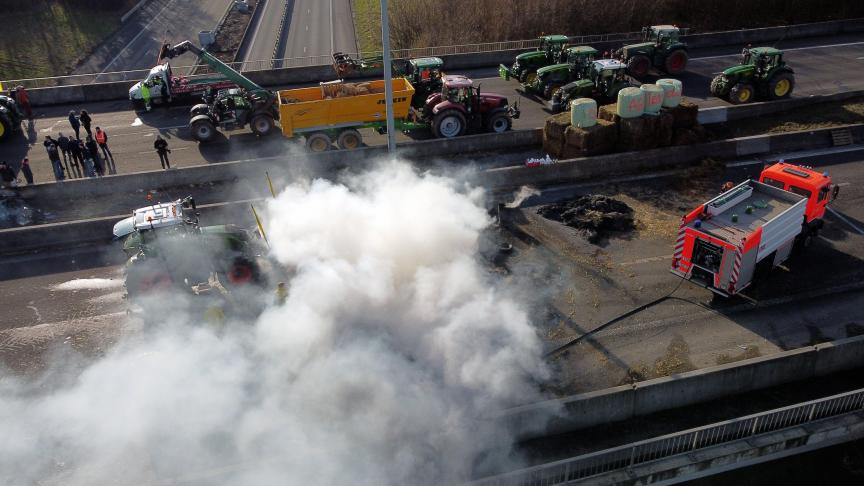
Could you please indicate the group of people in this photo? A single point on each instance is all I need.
(80, 158)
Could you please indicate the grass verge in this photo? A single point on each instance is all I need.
(50, 38)
(367, 25)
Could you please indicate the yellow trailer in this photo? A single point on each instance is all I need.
(336, 110)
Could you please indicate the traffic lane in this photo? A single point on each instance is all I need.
(310, 33)
(266, 32)
(133, 132)
(342, 25)
(170, 21)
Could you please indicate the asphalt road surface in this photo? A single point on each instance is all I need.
(265, 33)
(822, 65)
(320, 28)
(136, 45)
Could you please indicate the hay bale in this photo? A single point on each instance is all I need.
(686, 114)
(665, 129)
(598, 139)
(638, 133)
(556, 125)
(684, 136)
(609, 112)
(553, 147)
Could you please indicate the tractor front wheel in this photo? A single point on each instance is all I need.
(529, 78)
(717, 85)
(550, 90)
(676, 61)
(203, 130)
(449, 124)
(262, 125)
(741, 93)
(498, 122)
(318, 142)
(5, 127)
(781, 86)
(638, 66)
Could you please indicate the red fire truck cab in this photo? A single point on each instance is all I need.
(752, 227)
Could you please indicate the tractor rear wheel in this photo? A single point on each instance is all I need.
(741, 93)
(676, 61)
(550, 90)
(203, 130)
(498, 122)
(781, 86)
(262, 125)
(318, 142)
(449, 124)
(638, 66)
(5, 127)
(349, 139)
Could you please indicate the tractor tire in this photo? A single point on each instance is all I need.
(529, 78)
(203, 131)
(781, 86)
(716, 86)
(741, 93)
(676, 62)
(349, 139)
(318, 142)
(638, 66)
(242, 272)
(199, 109)
(262, 125)
(498, 122)
(550, 90)
(449, 124)
(5, 128)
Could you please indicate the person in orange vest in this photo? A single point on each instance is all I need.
(102, 139)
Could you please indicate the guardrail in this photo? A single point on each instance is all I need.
(636, 453)
(280, 37)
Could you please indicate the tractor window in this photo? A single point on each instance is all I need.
(773, 182)
(800, 191)
(823, 193)
(425, 75)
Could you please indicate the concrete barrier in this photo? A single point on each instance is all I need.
(723, 114)
(601, 407)
(770, 35)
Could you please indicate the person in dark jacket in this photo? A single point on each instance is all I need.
(76, 125)
(85, 120)
(63, 145)
(7, 175)
(77, 158)
(54, 157)
(161, 147)
(25, 169)
(87, 166)
(93, 149)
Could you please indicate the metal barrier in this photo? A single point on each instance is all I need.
(320, 60)
(629, 455)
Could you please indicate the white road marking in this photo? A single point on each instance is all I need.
(843, 184)
(155, 17)
(645, 260)
(846, 220)
(825, 46)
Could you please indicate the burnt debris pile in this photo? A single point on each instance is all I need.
(595, 215)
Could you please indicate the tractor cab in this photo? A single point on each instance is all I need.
(457, 89)
(425, 75)
(661, 34)
(764, 59)
(579, 58)
(148, 224)
(553, 46)
(606, 73)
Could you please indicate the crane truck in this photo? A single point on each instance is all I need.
(728, 242)
(232, 108)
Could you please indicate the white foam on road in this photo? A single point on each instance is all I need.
(137, 122)
(89, 284)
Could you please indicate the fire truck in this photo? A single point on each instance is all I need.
(752, 227)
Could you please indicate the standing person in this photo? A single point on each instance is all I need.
(54, 157)
(63, 145)
(23, 100)
(85, 120)
(102, 140)
(77, 158)
(76, 125)
(25, 169)
(93, 150)
(89, 169)
(161, 147)
(145, 94)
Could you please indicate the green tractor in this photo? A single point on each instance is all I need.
(525, 66)
(661, 47)
(425, 75)
(550, 78)
(762, 74)
(606, 77)
(10, 117)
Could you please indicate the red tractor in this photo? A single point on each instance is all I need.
(459, 106)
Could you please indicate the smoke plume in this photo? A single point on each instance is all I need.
(393, 345)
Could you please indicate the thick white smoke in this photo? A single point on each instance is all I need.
(392, 345)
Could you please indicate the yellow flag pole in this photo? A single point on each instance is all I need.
(270, 183)
(260, 226)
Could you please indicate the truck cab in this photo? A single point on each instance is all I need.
(160, 75)
(804, 181)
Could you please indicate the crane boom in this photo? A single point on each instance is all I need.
(168, 52)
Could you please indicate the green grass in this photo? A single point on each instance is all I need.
(50, 38)
(367, 25)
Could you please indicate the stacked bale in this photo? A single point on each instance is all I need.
(562, 140)
(553, 134)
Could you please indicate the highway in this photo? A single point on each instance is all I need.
(823, 65)
(137, 44)
(265, 33)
